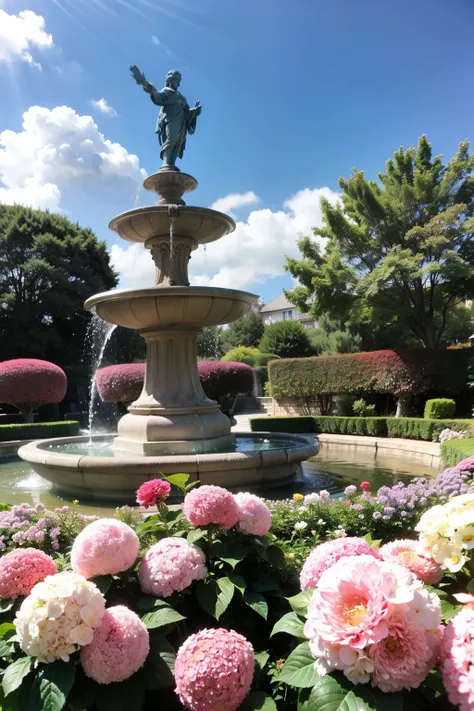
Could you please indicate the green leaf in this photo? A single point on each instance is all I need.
(291, 624)
(7, 631)
(261, 658)
(148, 602)
(51, 686)
(470, 587)
(298, 670)
(103, 582)
(257, 602)
(224, 596)
(238, 582)
(258, 701)
(231, 553)
(164, 615)
(206, 594)
(299, 603)
(6, 604)
(15, 673)
(159, 666)
(195, 535)
(264, 583)
(448, 610)
(178, 480)
(334, 693)
(275, 556)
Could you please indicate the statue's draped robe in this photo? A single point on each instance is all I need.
(174, 122)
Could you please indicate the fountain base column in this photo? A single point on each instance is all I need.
(172, 414)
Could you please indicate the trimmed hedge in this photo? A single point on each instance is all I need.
(408, 371)
(39, 430)
(439, 408)
(455, 450)
(403, 427)
(292, 425)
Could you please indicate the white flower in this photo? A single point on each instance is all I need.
(323, 494)
(313, 498)
(425, 609)
(300, 525)
(432, 520)
(321, 522)
(350, 490)
(59, 616)
(340, 532)
(449, 556)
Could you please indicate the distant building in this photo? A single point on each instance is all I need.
(280, 309)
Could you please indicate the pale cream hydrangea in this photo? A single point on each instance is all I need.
(446, 532)
(59, 616)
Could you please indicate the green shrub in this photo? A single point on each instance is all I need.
(455, 450)
(262, 359)
(361, 409)
(267, 389)
(417, 428)
(440, 408)
(282, 424)
(371, 426)
(243, 354)
(288, 339)
(39, 430)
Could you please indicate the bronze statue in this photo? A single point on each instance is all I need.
(176, 118)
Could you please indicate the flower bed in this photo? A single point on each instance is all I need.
(234, 603)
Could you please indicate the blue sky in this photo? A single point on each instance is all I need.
(294, 95)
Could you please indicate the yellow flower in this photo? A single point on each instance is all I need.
(298, 497)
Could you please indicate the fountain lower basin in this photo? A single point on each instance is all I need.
(254, 460)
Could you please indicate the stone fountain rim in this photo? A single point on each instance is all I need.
(184, 209)
(35, 453)
(170, 291)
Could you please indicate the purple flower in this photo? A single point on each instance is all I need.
(54, 532)
(376, 515)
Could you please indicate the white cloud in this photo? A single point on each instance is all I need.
(21, 33)
(155, 40)
(253, 253)
(55, 148)
(228, 203)
(103, 106)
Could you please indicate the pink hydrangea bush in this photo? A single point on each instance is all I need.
(21, 569)
(171, 565)
(254, 515)
(106, 546)
(457, 659)
(410, 555)
(152, 491)
(119, 648)
(375, 622)
(466, 465)
(214, 670)
(28, 383)
(326, 554)
(120, 383)
(211, 504)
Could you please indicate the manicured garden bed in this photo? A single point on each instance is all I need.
(39, 430)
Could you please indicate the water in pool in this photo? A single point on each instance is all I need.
(333, 471)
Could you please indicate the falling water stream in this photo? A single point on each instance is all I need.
(99, 334)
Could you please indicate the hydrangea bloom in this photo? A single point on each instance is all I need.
(214, 670)
(59, 616)
(106, 546)
(313, 498)
(447, 531)
(466, 465)
(21, 569)
(254, 515)
(409, 554)
(169, 565)
(326, 554)
(457, 659)
(211, 504)
(152, 491)
(374, 621)
(119, 648)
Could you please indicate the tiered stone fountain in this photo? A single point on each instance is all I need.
(172, 427)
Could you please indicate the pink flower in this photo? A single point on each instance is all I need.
(106, 546)
(408, 553)
(21, 569)
(349, 605)
(254, 515)
(466, 465)
(152, 491)
(365, 485)
(119, 648)
(326, 554)
(457, 659)
(214, 670)
(404, 657)
(169, 565)
(211, 504)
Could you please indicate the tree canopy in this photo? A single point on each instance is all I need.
(400, 250)
(246, 331)
(286, 339)
(48, 268)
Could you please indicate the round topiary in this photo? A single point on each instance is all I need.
(28, 383)
(120, 383)
(221, 381)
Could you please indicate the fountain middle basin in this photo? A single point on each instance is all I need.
(253, 461)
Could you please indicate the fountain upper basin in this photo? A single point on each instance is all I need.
(200, 224)
(181, 306)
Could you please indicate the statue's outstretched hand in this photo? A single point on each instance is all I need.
(197, 109)
(137, 75)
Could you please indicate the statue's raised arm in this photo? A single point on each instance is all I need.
(176, 118)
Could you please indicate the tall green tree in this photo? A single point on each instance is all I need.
(210, 342)
(246, 331)
(48, 268)
(400, 250)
